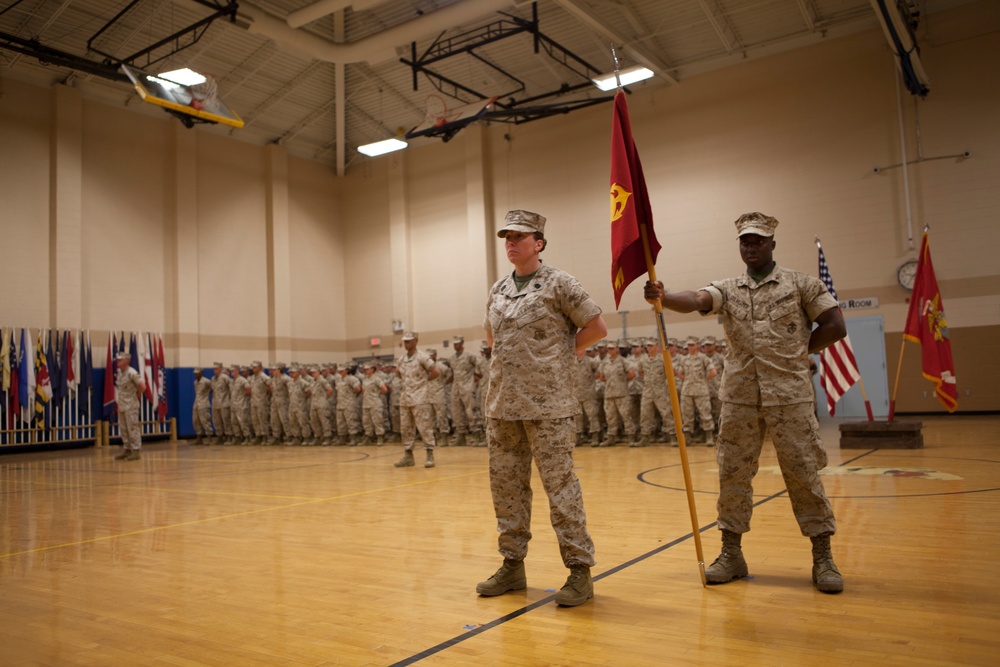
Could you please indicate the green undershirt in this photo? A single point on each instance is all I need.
(522, 281)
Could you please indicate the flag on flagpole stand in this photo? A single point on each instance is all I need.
(86, 376)
(5, 336)
(630, 207)
(147, 368)
(71, 362)
(110, 402)
(161, 381)
(28, 391)
(43, 383)
(838, 370)
(927, 326)
(14, 398)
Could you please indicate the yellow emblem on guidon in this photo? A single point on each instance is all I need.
(619, 198)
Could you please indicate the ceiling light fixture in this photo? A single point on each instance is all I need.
(629, 75)
(183, 76)
(382, 147)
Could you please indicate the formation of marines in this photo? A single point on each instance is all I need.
(621, 387)
(336, 404)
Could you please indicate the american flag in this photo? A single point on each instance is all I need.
(838, 371)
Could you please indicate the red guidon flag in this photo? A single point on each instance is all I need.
(630, 208)
(926, 324)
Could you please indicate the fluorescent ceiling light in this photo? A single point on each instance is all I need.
(629, 75)
(382, 147)
(183, 76)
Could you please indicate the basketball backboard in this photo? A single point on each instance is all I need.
(182, 101)
(444, 120)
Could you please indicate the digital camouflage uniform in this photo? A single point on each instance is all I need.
(395, 387)
(319, 408)
(201, 410)
(695, 398)
(415, 411)
(127, 383)
(347, 406)
(221, 402)
(617, 408)
(585, 389)
(298, 418)
(767, 388)
(279, 404)
(531, 409)
(371, 406)
(655, 397)
(260, 411)
(464, 410)
(439, 398)
(240, 407)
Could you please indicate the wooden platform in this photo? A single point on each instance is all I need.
(331, 556)
(897, 434)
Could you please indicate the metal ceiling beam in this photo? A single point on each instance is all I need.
(600, 26)
(282, 92)
(809, 13)
(721, 24)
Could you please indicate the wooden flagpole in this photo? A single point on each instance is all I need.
(668, 367)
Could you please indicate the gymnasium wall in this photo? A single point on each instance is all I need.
(117, 220)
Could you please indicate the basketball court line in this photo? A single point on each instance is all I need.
(448, 643)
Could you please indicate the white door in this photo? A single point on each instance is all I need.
(868, 341)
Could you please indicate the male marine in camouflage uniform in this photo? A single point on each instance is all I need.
(348, 386)
(585, 390)
(416, 369)
(221, 402)
(464, 411)
(260, 411)
(319, 409)
(697, 371)
(298, 417)
(372, 390)
(279, 403)
(538, 321)
(201, 410)
(438, 398)
(130, 386)
(767, 314)
(655, 396)
(617, 408)
(239, 394)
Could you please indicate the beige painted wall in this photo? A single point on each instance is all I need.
(401, 237)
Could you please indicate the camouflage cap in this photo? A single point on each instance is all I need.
(755, 223)
(457, 340)
(691, 341)
(409, 335)
(522, 221)
(484, 345)
(123, 355)
(256, 364)
(218, 364)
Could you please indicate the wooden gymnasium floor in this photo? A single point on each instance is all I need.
(330, 556)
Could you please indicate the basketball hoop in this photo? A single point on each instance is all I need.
(205, 95)
(437, 110)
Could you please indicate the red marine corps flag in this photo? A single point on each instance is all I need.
(926, 325)
(630, 210)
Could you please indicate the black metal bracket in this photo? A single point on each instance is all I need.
(108, 68)
(508, 108)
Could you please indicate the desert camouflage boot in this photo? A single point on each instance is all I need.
(579, 587)
(510, 577)
(730, 564)
(826, 576)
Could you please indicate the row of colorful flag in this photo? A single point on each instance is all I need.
(41, 371)
(53, 367)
